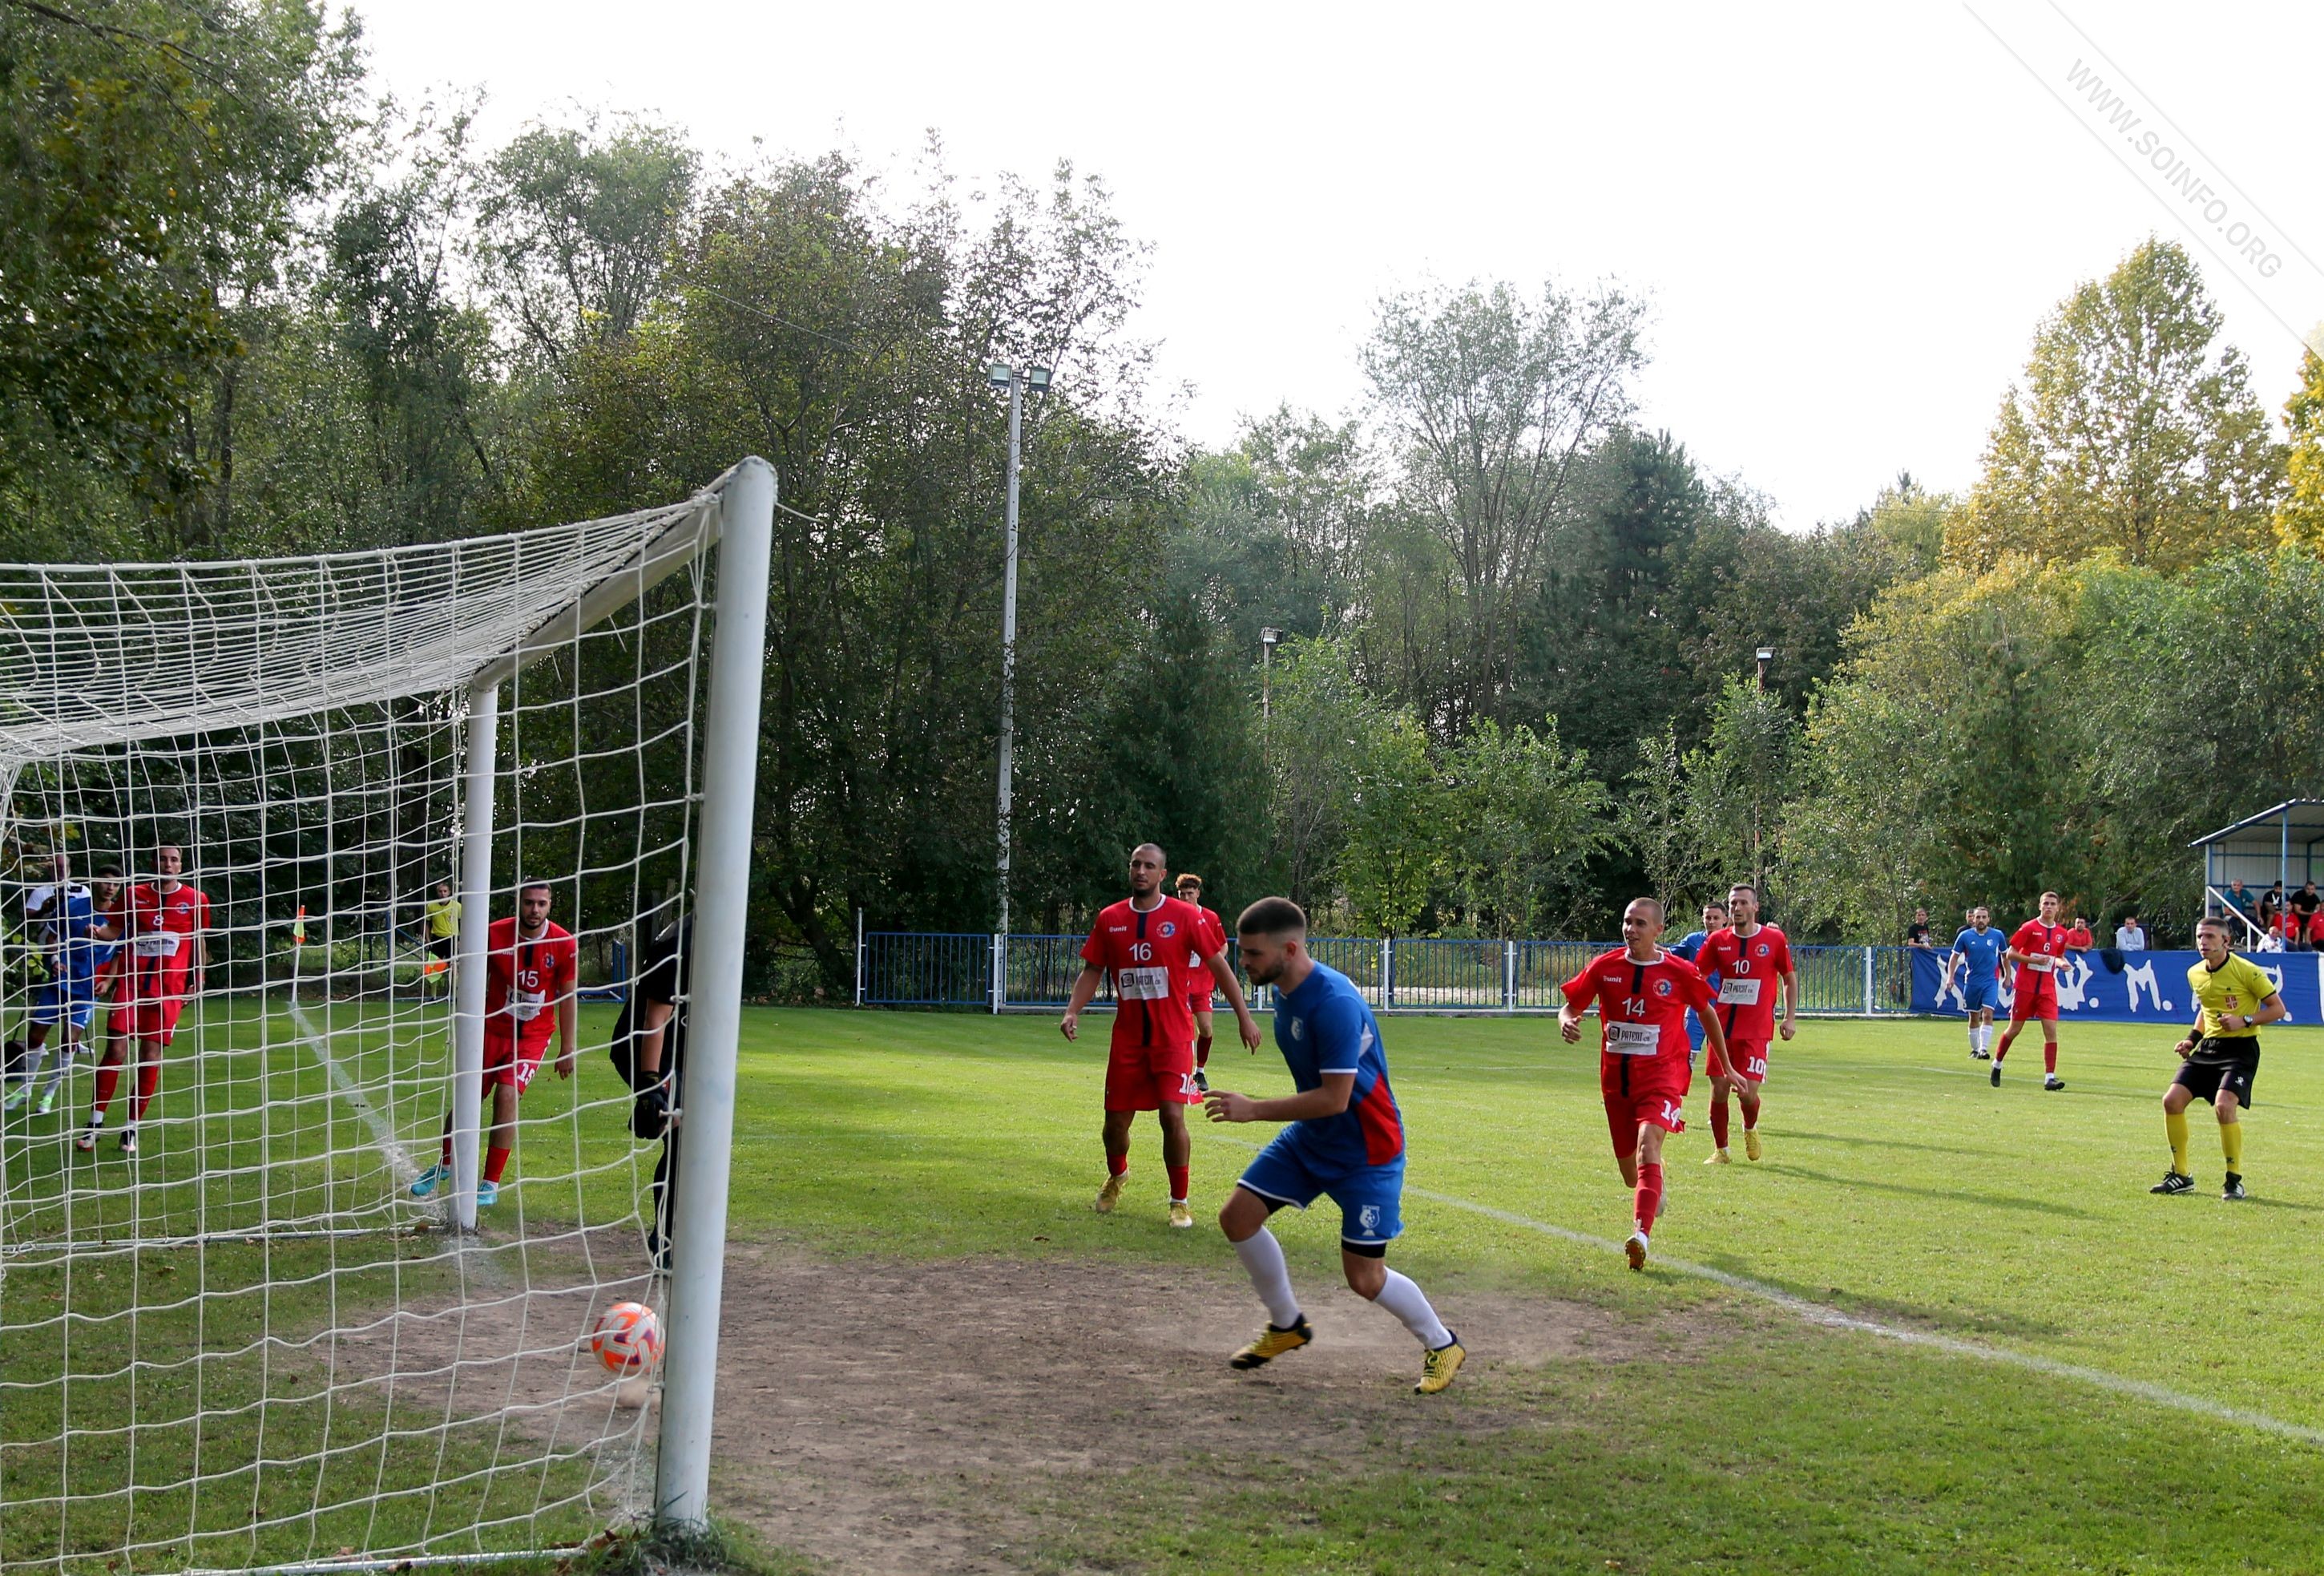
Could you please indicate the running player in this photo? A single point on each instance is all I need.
(163, 928)
(1714, 918)
(531, 962)
(1211, 938)
(1142, 941)
(1750, 961)
(2036, 948)
(62, 916)
(2219, 1057)
(1975, 956)
(1345, 1138)
(1643, 994)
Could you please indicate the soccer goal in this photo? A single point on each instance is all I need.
(297, 1268)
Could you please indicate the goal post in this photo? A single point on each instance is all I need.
(259, 1309)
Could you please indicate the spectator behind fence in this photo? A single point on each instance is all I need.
(2130, 936)
(1916, 934)
(2308, 906)
(2078, 934)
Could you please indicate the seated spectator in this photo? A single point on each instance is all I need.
(1916, 934)
(2316, 932)
(2240, 902)
(2130, 936)
(2307, 903)
(2269, 941)
(2288, 929)
(2077, 936)
(2271, 905)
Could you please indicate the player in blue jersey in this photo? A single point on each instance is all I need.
(1345, 1138)
(1977, 958)
(1714, 918)
(62, 917)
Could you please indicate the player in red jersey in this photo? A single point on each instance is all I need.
(162, 927)
(1143, 942)
(1751, 960)
(2036, 948)
(1200, 985)
(530, 965)
(1643, 994)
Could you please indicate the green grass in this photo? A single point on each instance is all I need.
(1899, 1187)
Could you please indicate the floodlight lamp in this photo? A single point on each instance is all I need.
(999, 375)
(1037, 378)
(1269, 635)
(1766, 653)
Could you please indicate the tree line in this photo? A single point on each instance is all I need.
(247, 306)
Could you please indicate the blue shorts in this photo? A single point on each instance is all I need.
(1981, 994)
(52, 1004)
(1369, 1196)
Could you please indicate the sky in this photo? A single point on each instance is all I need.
(1849, 220)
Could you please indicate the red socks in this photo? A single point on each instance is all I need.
(1117, 1164)
(1178, 1176)
(108, 1083)
(2050, 1057)
(1719, 1121)
(149, 1078)
(1650, 1196)
(495, 1163)
(447, 1146)
(1203, 1053)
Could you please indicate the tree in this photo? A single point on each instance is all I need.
(152, 156)
(2136, 432)
(1493, 401)
(1524, 817)
(1652, 821)
(2300, 518)
(1395, 823)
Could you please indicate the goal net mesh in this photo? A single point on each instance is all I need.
(247, 1342)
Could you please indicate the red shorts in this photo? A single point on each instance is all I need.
(2041, 1003)
(1646, 1095)
(147, 1018)
(1199, 1003)
(1744, 1059)
(508, 1062)
(1145, 1078)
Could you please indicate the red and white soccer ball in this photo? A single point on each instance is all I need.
(627, 1339)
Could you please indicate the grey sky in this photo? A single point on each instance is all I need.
(1850, 218)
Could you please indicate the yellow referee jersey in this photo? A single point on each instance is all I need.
(2236, 986)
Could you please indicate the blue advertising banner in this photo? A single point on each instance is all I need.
(2146, 988)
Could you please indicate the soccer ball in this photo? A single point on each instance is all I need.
(628, 1339)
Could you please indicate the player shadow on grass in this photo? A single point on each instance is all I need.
(2047, 1207)
(1884, 1143)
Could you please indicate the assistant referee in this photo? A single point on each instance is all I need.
(2233, 997)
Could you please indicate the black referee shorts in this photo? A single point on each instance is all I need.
(2221, 1064)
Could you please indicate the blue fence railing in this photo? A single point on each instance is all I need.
(1419, 974)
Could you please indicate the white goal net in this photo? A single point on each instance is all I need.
(316, 1173)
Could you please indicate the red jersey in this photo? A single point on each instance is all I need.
(1210, 940)
(160, 933)
(1147, 954)
(1643, 1006)
(524, 981)
(2078, 938)
(1751, 971)
(2045, 944)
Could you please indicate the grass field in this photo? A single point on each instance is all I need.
(1737, 1433)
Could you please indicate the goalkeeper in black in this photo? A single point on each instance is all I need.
(2233, 997)
(648, 1051)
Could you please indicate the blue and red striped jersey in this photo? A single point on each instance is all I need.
(1325, 1027)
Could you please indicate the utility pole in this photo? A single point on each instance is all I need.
(1002, 374)
(1758, 864)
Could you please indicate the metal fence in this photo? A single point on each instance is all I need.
(1408, 974)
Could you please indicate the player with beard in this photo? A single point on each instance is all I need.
(1977, 956)
(2035, 947)
(1143, 942)
(1749, 959)
(163, 928)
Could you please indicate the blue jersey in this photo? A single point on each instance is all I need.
(1324, 1027)
(73, 955)
(1982, 951)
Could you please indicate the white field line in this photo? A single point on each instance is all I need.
(382, 1134)
(1831, 1318)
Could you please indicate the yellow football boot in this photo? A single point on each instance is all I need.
(1181, 1216)
(1750, 1143)
(1109, 1195)
(1273, 1343)
(1439, 1365)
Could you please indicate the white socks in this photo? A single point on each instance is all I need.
(1409, 1303)
(1262, 1257)
(1982, 1036)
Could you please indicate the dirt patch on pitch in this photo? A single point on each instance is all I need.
(904, 1417)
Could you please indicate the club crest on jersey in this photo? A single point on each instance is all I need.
(1763, 948)
(1662, 987)
(1299, 1028)
(1169, 928)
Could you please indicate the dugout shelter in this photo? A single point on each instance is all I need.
(2284, 842)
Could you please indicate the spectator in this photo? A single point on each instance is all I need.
(2306, 903)
(2077, 936)
(2288, 929)
(2239, 903)
(2316, 932)
(2271, 906)
(2269, 941)
(1916, 934)
(2130, 936)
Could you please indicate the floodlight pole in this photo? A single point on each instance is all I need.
(730, 776)
(1008, 645)
(475, 923)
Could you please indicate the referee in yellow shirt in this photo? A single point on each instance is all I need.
(2233, 997)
